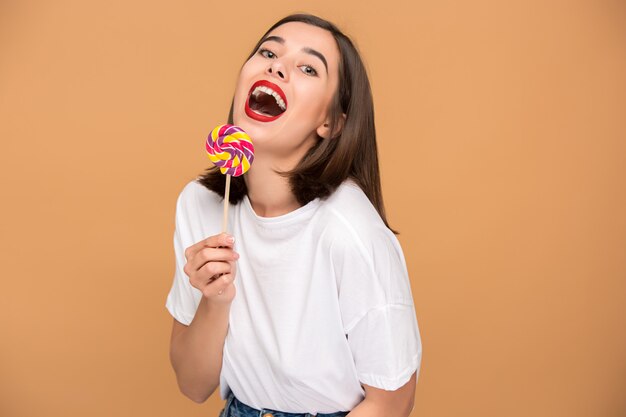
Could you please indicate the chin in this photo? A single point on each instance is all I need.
(240, 120)
(255, 131)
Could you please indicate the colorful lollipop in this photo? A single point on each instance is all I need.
(231, 150)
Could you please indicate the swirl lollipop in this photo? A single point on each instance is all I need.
(231, 150)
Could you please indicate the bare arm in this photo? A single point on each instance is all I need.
(196, 350)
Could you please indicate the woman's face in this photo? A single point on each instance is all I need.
(284, 91)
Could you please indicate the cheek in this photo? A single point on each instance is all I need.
(316, 105)
(243, 83)
(240, 95)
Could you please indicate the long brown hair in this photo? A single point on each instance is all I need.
(351, 154)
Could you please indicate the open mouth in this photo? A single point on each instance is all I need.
(266, 101)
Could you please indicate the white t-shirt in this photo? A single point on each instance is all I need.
(323, 301)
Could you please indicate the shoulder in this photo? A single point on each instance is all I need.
(195, 196)
(353, 223)
(350, 205)
(198, 212)
(366, 256)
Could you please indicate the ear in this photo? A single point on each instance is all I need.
(324, 130)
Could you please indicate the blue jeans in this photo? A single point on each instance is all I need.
(235, 408)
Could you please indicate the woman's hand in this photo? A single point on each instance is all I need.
(211, 267)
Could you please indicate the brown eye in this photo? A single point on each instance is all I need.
(309, 70)
(267, 53)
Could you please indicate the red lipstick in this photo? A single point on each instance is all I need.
(262, 117)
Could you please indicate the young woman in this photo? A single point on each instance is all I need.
(306, 308)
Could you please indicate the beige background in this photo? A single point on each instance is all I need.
(502, 140)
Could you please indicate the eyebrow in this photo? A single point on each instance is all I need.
(309, 51)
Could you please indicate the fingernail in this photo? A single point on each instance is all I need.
(236, 255)
(230, 239)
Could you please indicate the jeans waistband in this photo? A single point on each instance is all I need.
(235, 408)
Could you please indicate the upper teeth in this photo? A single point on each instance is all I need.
(272, 93)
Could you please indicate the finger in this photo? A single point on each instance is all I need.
(233, 269)
(231, 274)
(208, 273)
(219, 286)
(210, 255)
(210, 270)
(220, 240)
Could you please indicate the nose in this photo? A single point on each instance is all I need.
(276, 69)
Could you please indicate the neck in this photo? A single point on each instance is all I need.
(269, 193)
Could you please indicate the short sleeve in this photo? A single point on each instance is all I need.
(386, 346)
(183, 299)
(377, 307)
